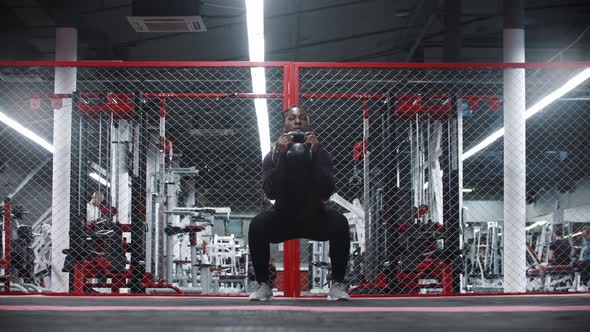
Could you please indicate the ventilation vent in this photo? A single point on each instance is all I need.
(167, 23)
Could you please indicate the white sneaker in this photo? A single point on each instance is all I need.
(579, 289)
(338, 292)
(262, 293)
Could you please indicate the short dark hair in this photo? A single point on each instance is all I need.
(292, 107)
(558, 232)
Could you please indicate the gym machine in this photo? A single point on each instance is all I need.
(483, 257)
(17, 263)
(112, 252)
(413, 225)
(557, 277)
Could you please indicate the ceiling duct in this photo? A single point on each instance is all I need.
(166, 16)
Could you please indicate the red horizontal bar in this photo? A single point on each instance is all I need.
(441, 65)
(258, 95)
(477, 96)
(212, 95)
(135, 64)
(67, 95)
(184, 95)
(91, 95)
(51, 95)
(392, 65)
(167, 95)
(345, 95)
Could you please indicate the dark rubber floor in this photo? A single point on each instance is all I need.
(484, 313)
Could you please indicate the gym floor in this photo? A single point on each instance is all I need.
(570, 312)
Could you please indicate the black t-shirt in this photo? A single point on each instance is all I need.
(561, 252)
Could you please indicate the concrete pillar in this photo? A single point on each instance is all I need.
(514, 263)
(65, 82)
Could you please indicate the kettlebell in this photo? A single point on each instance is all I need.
(298, 153)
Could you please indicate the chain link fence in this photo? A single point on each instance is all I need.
(145, 179)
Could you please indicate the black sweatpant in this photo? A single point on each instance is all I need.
(274, 226)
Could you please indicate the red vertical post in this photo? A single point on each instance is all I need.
(79, 277)
(295, 245)
(7, 215)
(447, 279)
(291, 248)
(287, 250)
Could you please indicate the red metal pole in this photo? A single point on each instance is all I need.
(79, 277)
(287, 257)
(447, 279)
(291, 248)
(296, 243)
